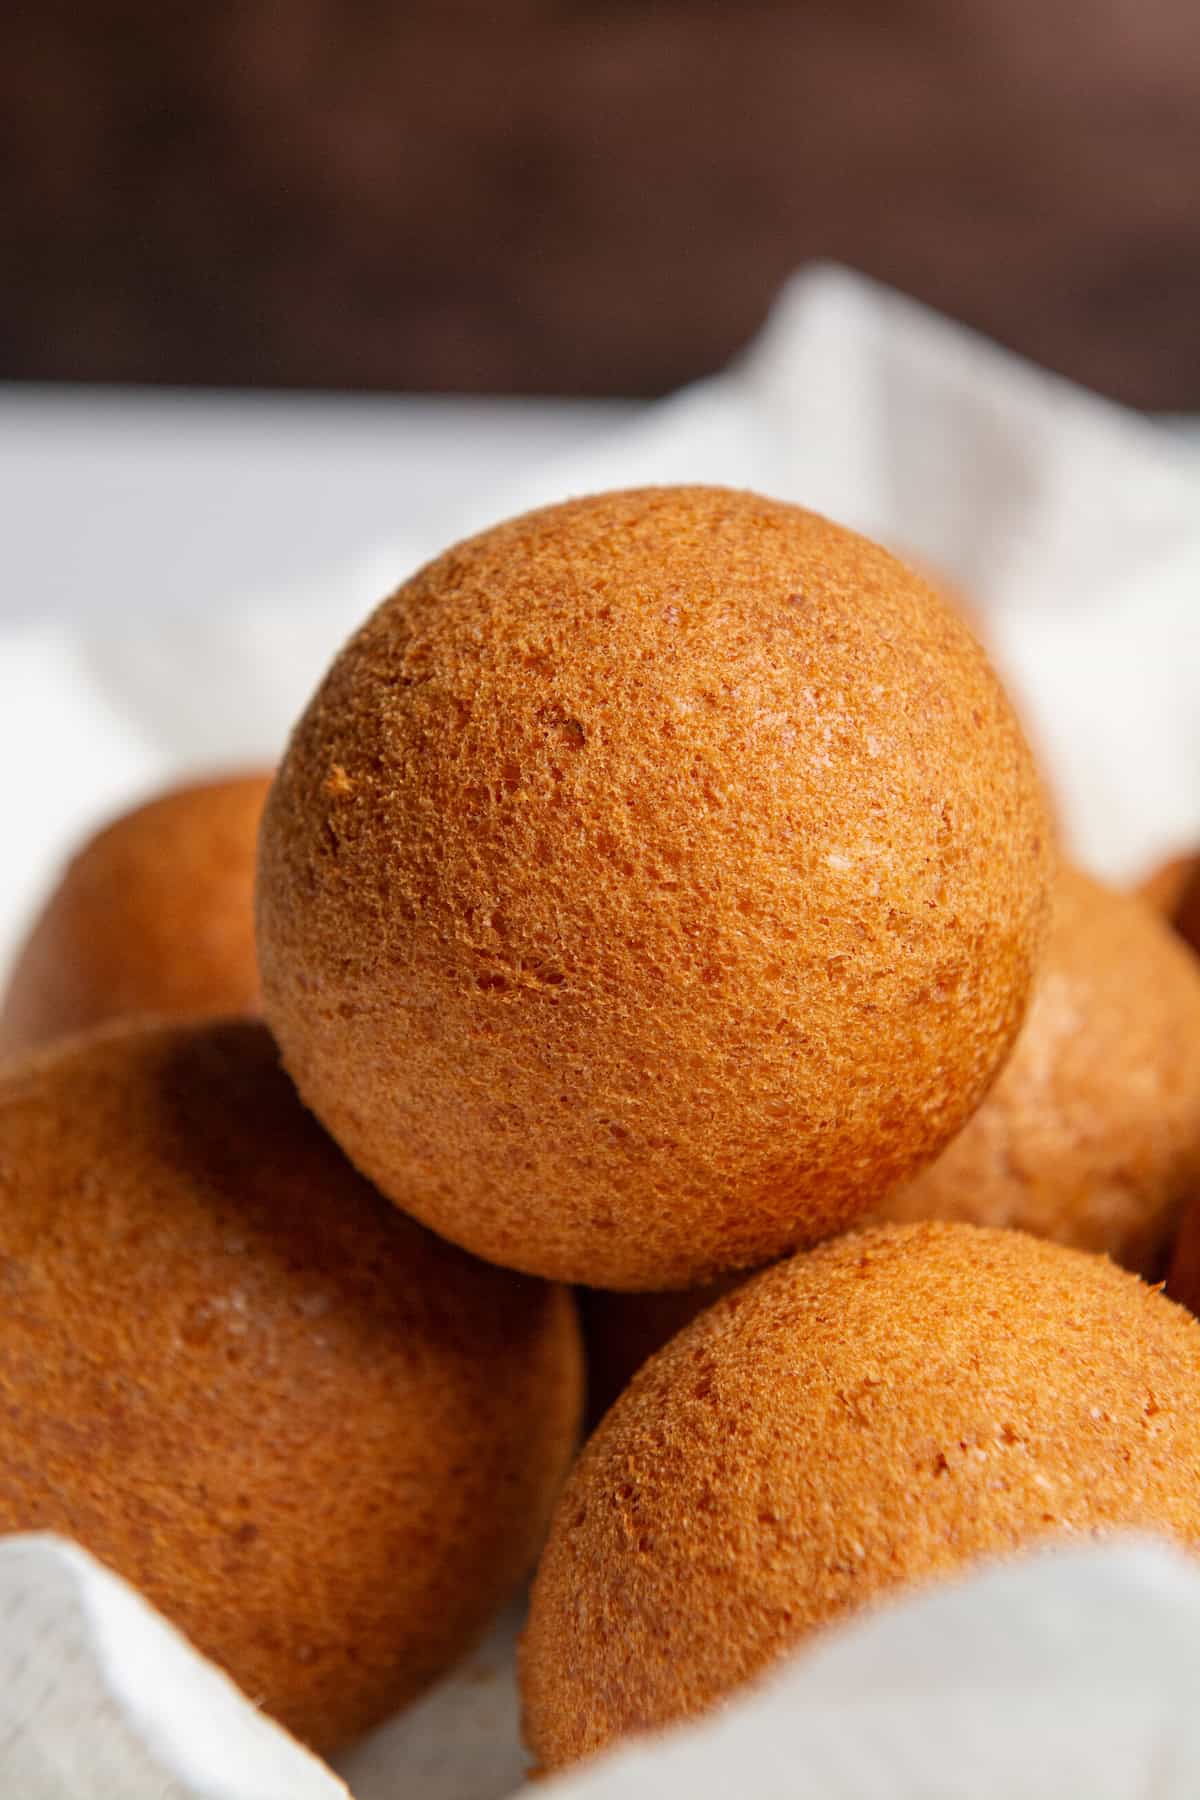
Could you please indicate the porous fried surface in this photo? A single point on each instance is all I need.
(154, 915)
(652, 883)
(322, 1442)
(1091, 1134)
(870, 1416)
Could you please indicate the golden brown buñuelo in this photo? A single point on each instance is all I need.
(155, 914)
(324, 1443)
(875, 1414)
(653, 881)
(1091, 1134)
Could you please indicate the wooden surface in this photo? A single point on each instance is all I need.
(586, 195)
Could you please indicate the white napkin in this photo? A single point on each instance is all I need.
(1067, 1674)
(1075, 528)
(1072, 1672)
(101, 1700)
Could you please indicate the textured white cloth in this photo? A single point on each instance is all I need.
(1075, 528)
(1076, 1672)
(101, 1700)
(1065, 1675)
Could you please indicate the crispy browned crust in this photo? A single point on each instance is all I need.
(654, 881)
(870, 1416)
(322, 1442)
(154, 915)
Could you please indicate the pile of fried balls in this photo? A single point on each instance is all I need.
(655, 921)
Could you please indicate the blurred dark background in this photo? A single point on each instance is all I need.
(587, 196)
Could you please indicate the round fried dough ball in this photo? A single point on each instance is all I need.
(1091, 1134)
(653, 881)
(154, 915)
(322, 1442)
(873, 1415)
